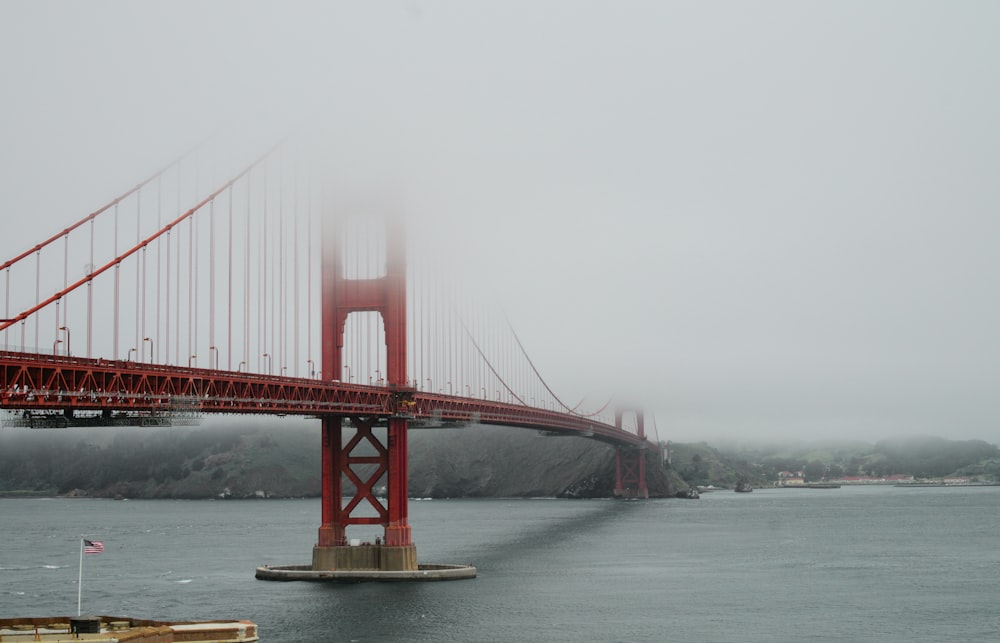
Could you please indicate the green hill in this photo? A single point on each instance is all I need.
(281, 458)
(921, 457)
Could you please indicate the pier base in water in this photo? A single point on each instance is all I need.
(307, 573)
(384, 558)
(363, 563)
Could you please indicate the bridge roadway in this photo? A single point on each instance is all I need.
(78, 386)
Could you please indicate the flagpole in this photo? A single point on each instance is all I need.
(79, 582)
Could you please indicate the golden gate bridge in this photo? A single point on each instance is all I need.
(268, 295)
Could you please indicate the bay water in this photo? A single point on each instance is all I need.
(848, 564)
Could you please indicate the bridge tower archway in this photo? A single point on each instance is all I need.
(341, 296)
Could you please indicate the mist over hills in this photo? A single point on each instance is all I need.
(282, 459)
(922, 457)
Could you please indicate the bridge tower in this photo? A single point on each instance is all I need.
(630, 462)
(385, 295)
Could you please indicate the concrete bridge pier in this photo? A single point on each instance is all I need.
(374, 557)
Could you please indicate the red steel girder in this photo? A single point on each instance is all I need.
(630, 473)
(40, 382)
(365, 487)
(46, 382)
(461, 409)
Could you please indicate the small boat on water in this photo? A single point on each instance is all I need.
(743, 486)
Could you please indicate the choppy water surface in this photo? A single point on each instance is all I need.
(868, 563)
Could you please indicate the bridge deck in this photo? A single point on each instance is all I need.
(99, 388)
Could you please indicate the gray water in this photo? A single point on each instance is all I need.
(849, 564)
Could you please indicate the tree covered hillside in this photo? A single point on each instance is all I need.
(176, 462)
(281, 458)
(921, 457)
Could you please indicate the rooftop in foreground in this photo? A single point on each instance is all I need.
(114, 628)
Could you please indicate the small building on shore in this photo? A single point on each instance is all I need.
(790, 479)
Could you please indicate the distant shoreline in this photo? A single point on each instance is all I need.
(28, 494)
(831, 485)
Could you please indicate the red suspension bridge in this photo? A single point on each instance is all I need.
(269, 295)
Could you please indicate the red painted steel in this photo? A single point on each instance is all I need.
(76, 388)
(630, 461)
(397, 531)
(364, 486)
(96, 213)
(387, 296)
(36, 382)
(91, 275)
(44, 382)
(466, 409)
(332, 529)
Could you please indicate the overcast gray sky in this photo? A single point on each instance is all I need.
(757, 219)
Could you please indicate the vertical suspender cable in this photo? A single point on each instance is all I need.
(166, 330)
(379, 320)
(278, 276)
(462, 356)
(463, 319)
(368, 330)
(190, 305)
(159, 246)
(281, 293)
(449, 341)
(65, 310)
(138, 274)
(212, 348)
(177, 311)
(418, 315)
(229, 306)
(117, 286)
(421, 318)
(90, 295)
(438, 345)
(296, 259)
(173, 294)
(55, 331)
(483, 335)
(374, 320)
(246, 284)
(263, 279)
(355, 345)
(274, 281)
(6, 311)
(309, 272)
(410, 321)
(355, 337)
(38, 293)
(357, 319)
(142, 334)
(195, 282)
(418, 329)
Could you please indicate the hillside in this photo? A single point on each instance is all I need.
(282, 459)
(760, 462)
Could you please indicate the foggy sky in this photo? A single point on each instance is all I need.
(755, 219)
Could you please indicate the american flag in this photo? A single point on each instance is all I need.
(92, 546)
